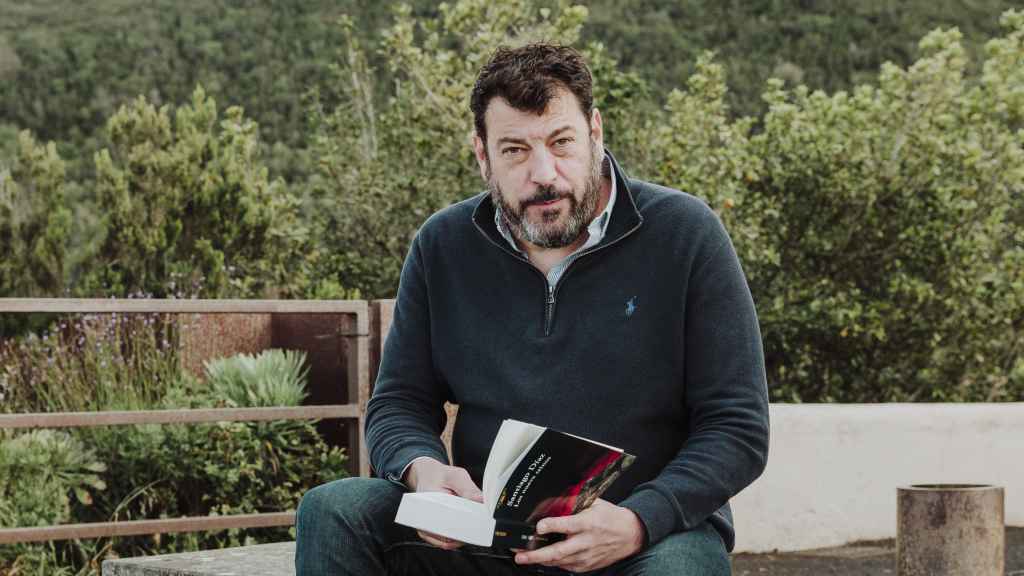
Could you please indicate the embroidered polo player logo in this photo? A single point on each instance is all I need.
(630, 306)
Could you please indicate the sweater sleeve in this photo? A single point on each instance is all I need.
(405, 416)
(726, 399)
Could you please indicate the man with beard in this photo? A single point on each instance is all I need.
(573, 297)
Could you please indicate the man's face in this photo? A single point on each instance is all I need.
(543, 171)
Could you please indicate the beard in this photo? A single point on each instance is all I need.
(550, 229)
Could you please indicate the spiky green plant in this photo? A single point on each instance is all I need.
(39, 470)
(270, 378)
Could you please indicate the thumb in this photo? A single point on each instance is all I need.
(464, 486)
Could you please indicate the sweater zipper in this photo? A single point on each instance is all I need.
(549, 307)
(553, 290)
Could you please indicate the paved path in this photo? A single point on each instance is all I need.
(867, 559)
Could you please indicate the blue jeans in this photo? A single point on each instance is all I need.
(347, 527)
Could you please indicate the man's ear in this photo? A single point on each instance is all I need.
(596, 128)
(480, 149)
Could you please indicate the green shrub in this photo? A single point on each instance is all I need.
(188, 195)
(35, 221)
(153, 471)
(218, 469)
(271, 378)
(880, 230)
(39, 471)
(208, 469)
(35, 227)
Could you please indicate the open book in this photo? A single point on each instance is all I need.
(532, 472)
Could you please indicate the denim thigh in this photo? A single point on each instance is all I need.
(347, 527)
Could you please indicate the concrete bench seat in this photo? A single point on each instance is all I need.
(261, 560)
(277, 560)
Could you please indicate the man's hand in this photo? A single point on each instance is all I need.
(597, 537)
(429, 475)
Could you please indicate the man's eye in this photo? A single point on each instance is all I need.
(563, 141)
(511, 151)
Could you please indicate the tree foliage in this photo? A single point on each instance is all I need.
(390, 163)
(880, 224)
(830, 45)
(189, 199)
(35, 221)
(68, 65)
(880, 229)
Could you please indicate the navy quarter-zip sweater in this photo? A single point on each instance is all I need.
(649, 342)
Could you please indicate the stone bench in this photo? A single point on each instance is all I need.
(260, 560)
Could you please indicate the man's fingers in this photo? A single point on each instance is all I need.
(462, 485)
(431, 538)
(578, 562)
(563, 524)
(553, 554)
(439, 541)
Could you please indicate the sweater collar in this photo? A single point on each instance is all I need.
(625, 216)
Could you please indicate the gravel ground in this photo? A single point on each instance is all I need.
(862, 559)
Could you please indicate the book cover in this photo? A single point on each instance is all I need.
(531, 473)
(559, 475)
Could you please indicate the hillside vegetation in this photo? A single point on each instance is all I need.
(868, 158)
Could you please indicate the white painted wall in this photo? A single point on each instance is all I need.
(833, 469)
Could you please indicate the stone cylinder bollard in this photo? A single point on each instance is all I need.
(950, 530)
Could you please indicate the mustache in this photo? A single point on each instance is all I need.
(545, 194)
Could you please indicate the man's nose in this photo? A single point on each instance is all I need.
(542, 167)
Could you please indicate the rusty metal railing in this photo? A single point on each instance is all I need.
(363, 324)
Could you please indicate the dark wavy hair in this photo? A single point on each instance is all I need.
(527, 78)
